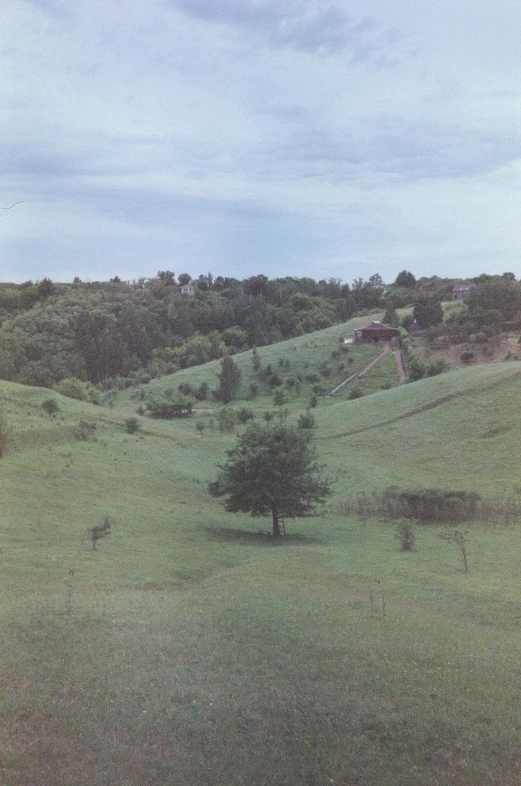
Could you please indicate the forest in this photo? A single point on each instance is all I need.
(117, 333)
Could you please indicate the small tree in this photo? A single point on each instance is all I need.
(405, 534)
(229, 380)
(227, 419)
(50, 405)
(86, 430)
(200, 427)
(272, 470)
(457, 536)
(132, 425)
(101, 531)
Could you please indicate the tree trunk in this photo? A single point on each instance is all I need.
(275, 519)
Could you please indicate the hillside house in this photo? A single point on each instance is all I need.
(414, 329)
(188, 289)
(375, 332)
(460, 290)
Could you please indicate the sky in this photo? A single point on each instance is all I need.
(318, 138)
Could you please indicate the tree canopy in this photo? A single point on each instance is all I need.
(272, 470)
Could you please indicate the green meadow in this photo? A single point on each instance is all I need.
(191, 649)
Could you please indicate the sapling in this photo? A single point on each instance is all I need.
(405, 534)
(457, 536)
(100, 531)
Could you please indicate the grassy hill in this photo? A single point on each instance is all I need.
(200, 652)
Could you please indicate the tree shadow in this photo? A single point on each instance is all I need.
(260, 538)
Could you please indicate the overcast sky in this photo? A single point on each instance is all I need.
(289, 137)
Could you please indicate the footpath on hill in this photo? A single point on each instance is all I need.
(387, 348)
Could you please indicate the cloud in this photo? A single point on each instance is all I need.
(324, 27)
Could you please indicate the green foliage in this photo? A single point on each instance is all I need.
(307, 420)
(51, 407)
(467, 356)
(279, 397)
(271, 470)
(390, 316)
(100, 531)
(229, 380)
(428, 311)
(430, 504)
(406, 535)
(435, 367)
(244, 414)
(406, 280)
(73, 387)
(226, 419)
(200, 426)
(170, 406)
(86, 429)
(132, 425)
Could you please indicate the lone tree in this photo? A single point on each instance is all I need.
(229, 380)
(272, 470)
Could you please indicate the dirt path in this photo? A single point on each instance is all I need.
(399, 364)
(362, 371)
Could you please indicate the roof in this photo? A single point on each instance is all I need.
(462, 287)
(378, 326)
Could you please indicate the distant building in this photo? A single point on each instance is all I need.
(188, 289)
(414, 328)
(460, 290)
(375, 332)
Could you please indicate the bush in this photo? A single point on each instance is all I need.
(430, 504)
(355, 392)
(435, 367)
(132, 425)
(227, 419)
(244, 414)
(50, 405)
(168, 408)
(86, 430)
(72, 387)
(467, 356)
(405, 534)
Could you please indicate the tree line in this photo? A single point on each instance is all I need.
(115, 332)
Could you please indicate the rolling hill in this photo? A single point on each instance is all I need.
(189, 649)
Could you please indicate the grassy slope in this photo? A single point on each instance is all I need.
(201, 653)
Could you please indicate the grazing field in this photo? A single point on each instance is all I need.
(189, 649)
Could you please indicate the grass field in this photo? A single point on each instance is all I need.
(198, 652)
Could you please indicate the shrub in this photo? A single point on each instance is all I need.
(132, 425)
(355, 392)
(430, 504)
(306, 420)
(101, 531)
(244, 414)
(406, 535)
(50, 405)
(169, 408)
(435, 367)
(467, 356)
(227, 419)
(86, 430)
(72, 387)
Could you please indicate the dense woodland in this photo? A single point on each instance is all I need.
(112, 333)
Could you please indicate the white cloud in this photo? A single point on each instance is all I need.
(244, 135)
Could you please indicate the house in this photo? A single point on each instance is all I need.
(460, 290)
(375, 332)
(188, 289)
(414, 329)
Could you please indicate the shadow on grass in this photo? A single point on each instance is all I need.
(260, 538)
